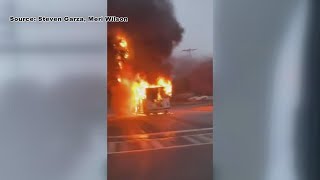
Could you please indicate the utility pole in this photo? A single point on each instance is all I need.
(189, 51)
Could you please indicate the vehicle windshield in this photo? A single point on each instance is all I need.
(154, 93)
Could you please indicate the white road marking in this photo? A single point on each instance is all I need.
(156, 144)
(191, 139)
(147, 139)
(171, 147)
(204, 138)
(160, 133)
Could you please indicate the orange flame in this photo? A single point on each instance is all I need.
(123, 43)
(137, 85)
(120, 64)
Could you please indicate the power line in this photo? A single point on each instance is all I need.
(189, 51)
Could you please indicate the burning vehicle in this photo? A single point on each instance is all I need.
(152, 99)
(156, 101)
(139, 73)
(132, 93)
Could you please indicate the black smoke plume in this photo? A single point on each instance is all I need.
(152, 33)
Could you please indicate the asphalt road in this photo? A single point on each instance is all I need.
(176, 146)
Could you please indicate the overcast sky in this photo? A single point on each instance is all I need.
(196, 17)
